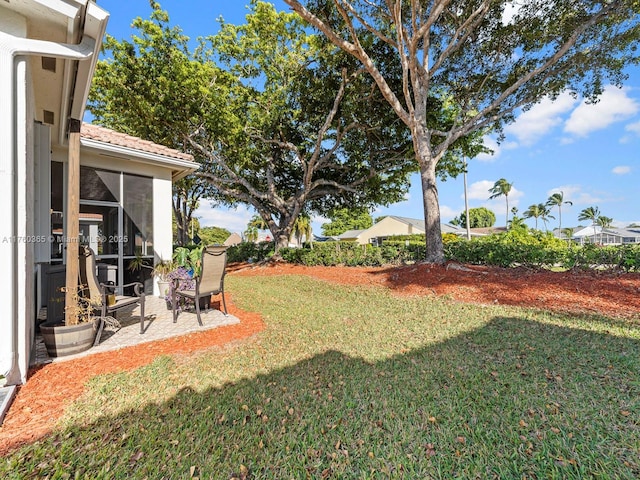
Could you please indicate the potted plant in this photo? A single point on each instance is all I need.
(186, 265)
(140, 264)
(161, 271)
(188, 259)
(180, 277)
(76, 333)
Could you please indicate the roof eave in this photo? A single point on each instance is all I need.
(95, 26)
(180, 167)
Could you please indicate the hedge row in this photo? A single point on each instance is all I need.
(511, 249)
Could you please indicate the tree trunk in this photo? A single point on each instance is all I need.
(182, 220)
(282, 241)
(433, 233)
(506, 221)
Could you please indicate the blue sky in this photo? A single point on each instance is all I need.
(590, 152)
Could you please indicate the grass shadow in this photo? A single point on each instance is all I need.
(510, 399)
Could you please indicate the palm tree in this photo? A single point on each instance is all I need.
(302, 228)
(251, 234)
(591, 213)
(568, 232)
(257, 222)
(557, 200)
(545, 215)
(500, 188)
(604, 223)
(534, 211)
(517, 223)
(538, 211)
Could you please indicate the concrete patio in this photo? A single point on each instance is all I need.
(158, 325)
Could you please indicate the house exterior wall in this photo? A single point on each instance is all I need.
(16, 117)
(387, 227)
(162, 221)
(162, 194)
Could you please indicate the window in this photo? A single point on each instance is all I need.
(116, 219)
(99, 185)
(137, 202)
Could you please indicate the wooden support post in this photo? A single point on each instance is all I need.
(72, 223)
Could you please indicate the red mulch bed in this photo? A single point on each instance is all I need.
(40, 403)
(579, 292)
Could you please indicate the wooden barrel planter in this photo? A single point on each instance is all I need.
(61, 340)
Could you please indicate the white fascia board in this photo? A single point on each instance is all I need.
(180, 167)
(95, 26)
(67, 8)
(79, 79)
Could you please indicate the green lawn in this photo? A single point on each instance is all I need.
(353, 382)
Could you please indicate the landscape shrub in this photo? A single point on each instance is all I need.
(339, 253)
(610, 257)
(517, 247)
(250, 252)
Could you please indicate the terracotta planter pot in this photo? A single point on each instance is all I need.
(61, 340)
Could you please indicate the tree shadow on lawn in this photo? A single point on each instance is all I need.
(513, 398)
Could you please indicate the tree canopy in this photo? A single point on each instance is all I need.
(213, 235)
(343, 219)
(152, 88)
(488, 60)
(479, 217)
(310, 130)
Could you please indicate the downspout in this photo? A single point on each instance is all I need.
(12, 48)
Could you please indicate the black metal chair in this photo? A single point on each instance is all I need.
(210, 281)
(102, 296)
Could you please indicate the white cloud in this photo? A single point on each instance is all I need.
(479, 190)
(634, 131)
(447, 213)
(621, 170)
(234, 220)
(536, 122)
(509, 12)
(574, 194)
(633, 128)
(497, 148)
(614, 106)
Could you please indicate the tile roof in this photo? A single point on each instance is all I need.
(106, 135)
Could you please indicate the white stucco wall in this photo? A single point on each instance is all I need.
(15, 308)
(18, 98)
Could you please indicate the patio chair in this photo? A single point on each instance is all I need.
(102, 296)
(210, 281)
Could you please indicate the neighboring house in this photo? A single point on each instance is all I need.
(391, 226)
(64, 183)
(607, 236)
(232, 240)
(321, 238)
(484, 231)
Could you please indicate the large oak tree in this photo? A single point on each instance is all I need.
(279, 118)
(310, 131)
(151, 87)
(493, 58)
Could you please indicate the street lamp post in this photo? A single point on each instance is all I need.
(466, 200)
